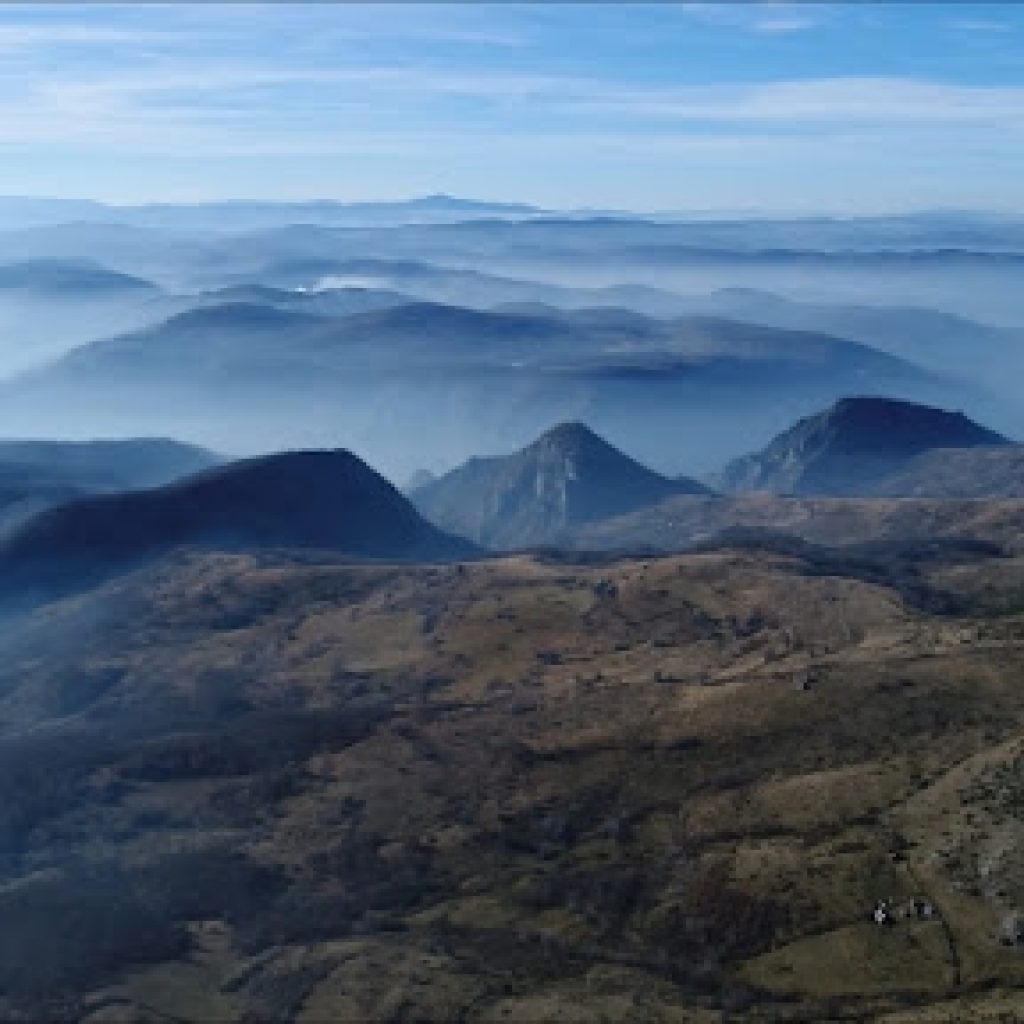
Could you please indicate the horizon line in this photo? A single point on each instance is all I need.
(729, 212)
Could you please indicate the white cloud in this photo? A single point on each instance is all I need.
(881, 100)
(231, 109)
(765, 18)
(866, 100)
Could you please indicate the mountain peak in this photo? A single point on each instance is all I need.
(849, 447)
(437, 198)
(872, 410)
(570, 435)
(568, 476)
(444, 201)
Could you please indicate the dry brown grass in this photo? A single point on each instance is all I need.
(586, 792)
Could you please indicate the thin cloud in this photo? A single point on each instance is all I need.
(862, 99)
(979, 25)
(18, 37)
(872, 100)
(778, 26)
(760, 18)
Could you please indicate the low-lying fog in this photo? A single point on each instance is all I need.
(109, 331)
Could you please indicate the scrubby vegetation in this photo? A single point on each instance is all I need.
(266, 788)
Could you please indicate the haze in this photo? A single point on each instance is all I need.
(512, 512)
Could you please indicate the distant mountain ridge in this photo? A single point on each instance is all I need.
(187, 342)
(69, 277)
(247, 214)
(928, 337)
(852, 447)
(37, 474)
(412, 383)
(567, 476)
(389, 327)
(326, 302)
(106, 464)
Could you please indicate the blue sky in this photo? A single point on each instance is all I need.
(763, 106)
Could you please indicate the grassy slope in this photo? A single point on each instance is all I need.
(515, 790)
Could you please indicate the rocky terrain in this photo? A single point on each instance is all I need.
(960, 473)
(683, 522)
(272, 787)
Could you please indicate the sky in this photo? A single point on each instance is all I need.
(744, 106)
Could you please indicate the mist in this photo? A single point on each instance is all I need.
(256, 341)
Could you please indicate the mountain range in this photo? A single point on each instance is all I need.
(75, 511)
(560, 732)
(269, 739)
(571, 488)
(895, 262)
(62, 520)
(410, 382)
(437, 333)
(236, 215)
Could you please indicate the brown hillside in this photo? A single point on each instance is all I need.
(669, 790)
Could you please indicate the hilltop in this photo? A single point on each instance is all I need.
(306, 499)
(851, 447)
(568, 476)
